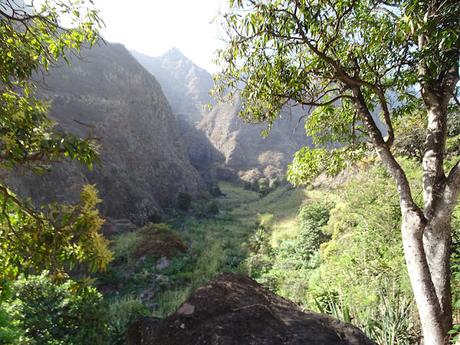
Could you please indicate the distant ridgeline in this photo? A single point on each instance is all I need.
(218, 138)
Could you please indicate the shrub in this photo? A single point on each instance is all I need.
(121, 314)
(389, 323)
(157, 240)
(215, 190)
(312, 218)
(10, 332)
(55, 313)
(247, 185)
(263, 186)
(124, 246)
(212, 208)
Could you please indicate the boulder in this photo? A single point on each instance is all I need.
(235, 310)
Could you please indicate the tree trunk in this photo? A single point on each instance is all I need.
(437, 245)
(426, 235)
(426, 299)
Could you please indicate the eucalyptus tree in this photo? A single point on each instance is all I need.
(347, 60)
(34, 36)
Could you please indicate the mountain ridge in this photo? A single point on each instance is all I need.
(243, 152)
(144, 161)
(185, 84)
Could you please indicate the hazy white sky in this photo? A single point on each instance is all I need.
(154, 26)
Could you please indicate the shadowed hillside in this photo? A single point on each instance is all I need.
(144, 165)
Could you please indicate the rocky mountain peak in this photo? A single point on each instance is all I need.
(174, 54)
(185, 84)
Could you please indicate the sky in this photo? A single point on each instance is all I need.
(154, 26)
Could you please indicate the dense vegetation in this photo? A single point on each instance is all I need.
(324, 248)
(361, 67)
(335, 246)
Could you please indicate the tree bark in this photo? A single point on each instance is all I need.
(432, 322)
(437, 246)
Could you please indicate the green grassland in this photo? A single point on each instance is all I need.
(215, 243)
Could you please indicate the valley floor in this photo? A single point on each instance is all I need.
(215, 243)
(335, 248)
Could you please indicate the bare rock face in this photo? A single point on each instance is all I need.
(144, 161)
(186, 87)
(235, 310)
(185, 84)
(239, 146)
(246, 151)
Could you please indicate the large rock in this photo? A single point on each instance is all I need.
(235, 310)
(144, 161)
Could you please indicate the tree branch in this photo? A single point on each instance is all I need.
(396, 171)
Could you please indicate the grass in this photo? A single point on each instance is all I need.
(221, 243)
(276, 211)
(216, 244)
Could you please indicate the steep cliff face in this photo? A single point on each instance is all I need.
(184, 83)
(187, 88)
(246, 151)
(240, 146)
(144, 161)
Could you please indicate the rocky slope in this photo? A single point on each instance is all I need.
(245, 153)
(144, 161)
(235, 310)
(184, 83)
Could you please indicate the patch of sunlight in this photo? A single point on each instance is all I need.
(266, 219)
(284, 229)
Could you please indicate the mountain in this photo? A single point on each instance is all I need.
(185, 85)
(227, 140)
(144, 162)
(246, 152)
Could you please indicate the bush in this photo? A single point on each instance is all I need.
(212, 208)
(263, 186)
(124, 246)
(215, 190)
(312, 218)
(247, 185)
(157, 240)
(10, 332)
(121, 314)
(52, 313)
(261, 259)
(388, 324)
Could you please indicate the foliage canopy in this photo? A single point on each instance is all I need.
(33, 38)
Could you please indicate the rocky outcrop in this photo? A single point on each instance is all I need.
(246, 151)
(144, 164)
(184, 83)
(235, 310)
